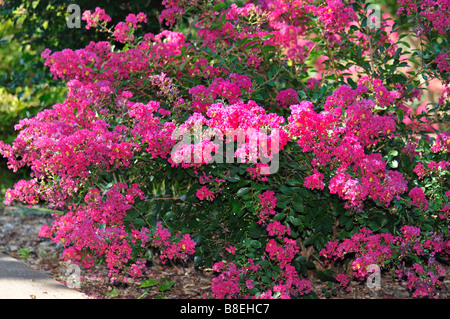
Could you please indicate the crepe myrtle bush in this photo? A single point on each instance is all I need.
(269, 140)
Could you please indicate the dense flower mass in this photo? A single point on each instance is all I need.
(386, 249)
(267, 139)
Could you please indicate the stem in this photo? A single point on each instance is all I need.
(371, 55)
(332, 62)
(410, 80)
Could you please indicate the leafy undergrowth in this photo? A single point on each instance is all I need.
(18, 234)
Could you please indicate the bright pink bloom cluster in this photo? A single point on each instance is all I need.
(181, 249)
(442, 143)
(432, 167)
(423, 281)
(255, 172)
(345, 148)
(386, 250)
(205, 193)
(97, 228)
(268, 204)
(275, 228)
(335, 16)
(443, 62)
(368, 248)
(93, 19)
(344, 281)
(281, 251)
(314, 181)
(433, 14)
(227, 284)
(286, 98)
(282, 254)
(418, 198)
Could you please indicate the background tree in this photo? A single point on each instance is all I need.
(27, 28)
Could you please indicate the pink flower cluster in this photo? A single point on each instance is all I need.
(227, 284)
(97, 229)
(442, 143)
(423, 281)
(174, 9)
(259, 135)
(281, 251)
(275, 228)
(344, 281)
(255, 172)
(388, 251)
(443, 62)
(268, 204)
(314, 181)
(149, 128)
(418, 198)
(164, 241)
(432, 167)
(286, 98)
(123, 31)
(93, 19)
(342, 136)
(368, 248)
(205, 193)
(70, 141)
(433, 14)
(230, 90)
(335, 16)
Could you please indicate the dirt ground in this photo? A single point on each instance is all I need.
(19, 228)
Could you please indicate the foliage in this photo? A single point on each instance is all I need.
(317, 105)
(26, 85)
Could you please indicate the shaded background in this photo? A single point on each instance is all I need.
(26, 29)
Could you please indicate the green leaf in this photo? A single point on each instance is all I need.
(237, 208)
(166, 286)
(182, 66)
(298, 207)
(279, 216)
(289, 191)
(267, 37)
(219, 6)
(268, 48)
(114, 293)
(256, 244)
(149, 283)
(244, 190)
(394, 164)
(326, 275)
(294, 220)
(255, 232)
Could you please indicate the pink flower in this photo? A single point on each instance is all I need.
(275, 228)
(45, 231)
(314, 181)
(92, 19)
(344, 280)
(249, 284)
(287, 98)
(418, 198)
(420, 170)
(205, 193)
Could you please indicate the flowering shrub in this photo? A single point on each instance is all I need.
(411, 255)
(264, 137)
